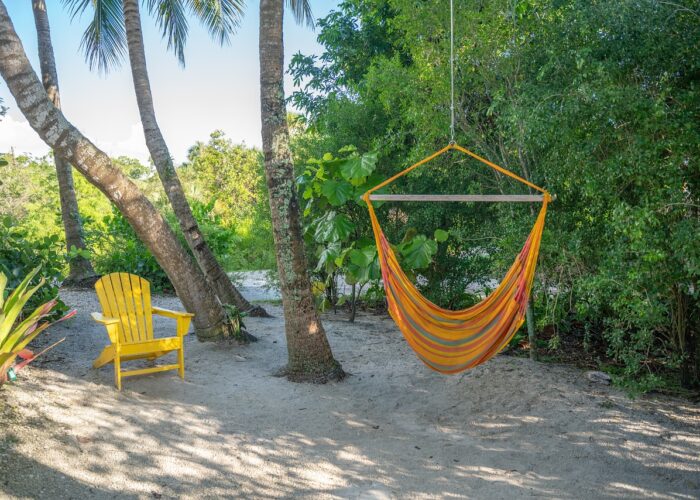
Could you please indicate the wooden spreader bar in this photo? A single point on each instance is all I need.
(457, 197)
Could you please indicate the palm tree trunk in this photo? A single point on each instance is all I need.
(80, 269)
(95, 165)
(225, 289)
(310, 356)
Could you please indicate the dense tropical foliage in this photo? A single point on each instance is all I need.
(598, 101)
(237, 227)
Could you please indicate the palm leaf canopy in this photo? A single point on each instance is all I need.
(104, 40)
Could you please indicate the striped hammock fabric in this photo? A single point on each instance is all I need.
(453, 341)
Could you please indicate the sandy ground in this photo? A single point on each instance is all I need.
(254, 285)
(507, 429)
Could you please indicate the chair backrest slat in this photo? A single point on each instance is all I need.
(131, 315)
(122, 312)
(141, 291)
(108, 301)
(128, 298)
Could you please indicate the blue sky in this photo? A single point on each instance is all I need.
(218, 88)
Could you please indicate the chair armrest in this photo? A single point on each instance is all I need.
(183, 319)
(171, 314)
(105, 320)
(111, 326)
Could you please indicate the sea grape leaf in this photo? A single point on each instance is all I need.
(418, 252)
(333, 227)
(327, 257)
(357, 168)
(363, 266)
(363, 256)
(441, 235)
(336, 192)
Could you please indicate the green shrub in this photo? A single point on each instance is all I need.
(20, 255)
(225, 184)
(338, 234)
(116, 248)
(236, 248)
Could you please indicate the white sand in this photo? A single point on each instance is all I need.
(507, 429)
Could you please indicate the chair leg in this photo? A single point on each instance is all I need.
(181, 359)
(117, 370)
(106, 356)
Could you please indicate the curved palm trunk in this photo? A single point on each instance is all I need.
(80, 269)
(310, 356)
(226, 291)
(70, 144)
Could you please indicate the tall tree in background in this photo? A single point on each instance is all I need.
(104, 40)
(310, 356)
(80, 269)
(68, 143)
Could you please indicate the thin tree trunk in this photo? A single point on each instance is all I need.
(531, 333)
(225, 289)
(684, 335)
(95, 165)
(353, 303)
(309, 354)
(80, 269)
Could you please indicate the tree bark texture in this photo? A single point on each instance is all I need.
(309, 354)
(157, 147)
(95, 165)
(80, 269)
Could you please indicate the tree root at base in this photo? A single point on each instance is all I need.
(334, 373)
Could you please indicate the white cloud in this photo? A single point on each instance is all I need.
(132, 144)
(18, 135)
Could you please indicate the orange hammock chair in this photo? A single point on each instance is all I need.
(453, 341)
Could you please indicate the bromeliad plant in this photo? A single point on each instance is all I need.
(236, 325)
(17, 331)
(337, 229)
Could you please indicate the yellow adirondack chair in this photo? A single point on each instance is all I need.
(127, 316)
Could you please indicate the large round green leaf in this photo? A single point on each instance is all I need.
(333, 227)
(358, 167)
(418, 252)
(336, 192)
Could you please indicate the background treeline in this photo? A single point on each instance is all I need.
(225, 185)
(599, 101)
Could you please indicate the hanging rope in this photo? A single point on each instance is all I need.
(459, 148)
(452, 72)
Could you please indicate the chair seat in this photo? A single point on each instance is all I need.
(139, 350)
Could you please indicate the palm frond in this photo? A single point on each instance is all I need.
(104, 40)
(301, 9)
(172, 20)
(221, 17)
